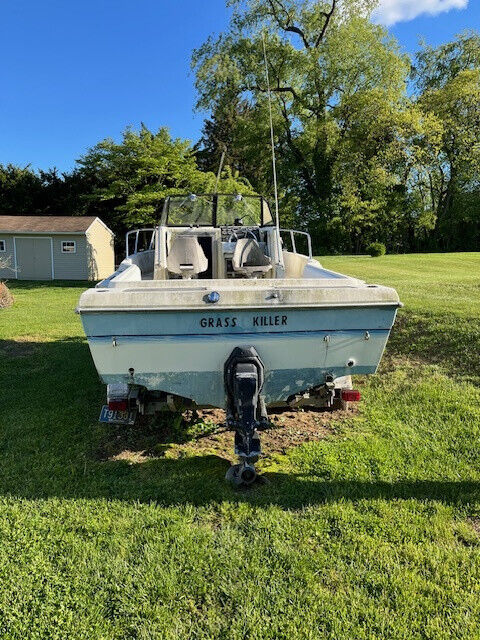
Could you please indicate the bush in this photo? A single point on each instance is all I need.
(6, 298)
(376, 249)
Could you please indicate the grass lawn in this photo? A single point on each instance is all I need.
(372, 533)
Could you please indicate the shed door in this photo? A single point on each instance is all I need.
(34, 258)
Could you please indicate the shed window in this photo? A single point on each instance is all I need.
(3, 245)
(69, 246)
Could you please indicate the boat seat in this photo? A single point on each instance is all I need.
(249, 259)
(186, 257)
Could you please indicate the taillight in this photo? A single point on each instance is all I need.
(118, 405)
(351, 395)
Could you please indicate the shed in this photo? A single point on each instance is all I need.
(56, 248)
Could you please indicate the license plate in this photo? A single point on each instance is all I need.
(117, 417)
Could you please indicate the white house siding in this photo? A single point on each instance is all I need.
(70, 266)
(67, 266)
(93, 259)
(101, 262)
(8, 255)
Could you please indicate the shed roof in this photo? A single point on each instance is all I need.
(46, 224)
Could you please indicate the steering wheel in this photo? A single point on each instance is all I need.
(245, 233)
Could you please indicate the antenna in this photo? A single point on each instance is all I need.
(222, 159)
(274, 162)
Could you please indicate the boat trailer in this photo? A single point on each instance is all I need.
(246, 411)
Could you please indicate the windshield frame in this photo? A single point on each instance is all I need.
(214, 197)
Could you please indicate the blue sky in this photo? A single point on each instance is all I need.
(74, 72)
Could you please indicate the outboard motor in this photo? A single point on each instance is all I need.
(244, 378)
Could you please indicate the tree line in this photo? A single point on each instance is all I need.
(372, 145)
(123, 183)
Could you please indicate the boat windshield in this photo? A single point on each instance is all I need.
(216, 211)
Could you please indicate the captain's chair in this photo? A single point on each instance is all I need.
(186, 257)
(249, 260)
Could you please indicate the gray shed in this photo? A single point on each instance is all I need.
(56, 248)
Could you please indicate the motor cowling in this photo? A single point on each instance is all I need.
(244, 380)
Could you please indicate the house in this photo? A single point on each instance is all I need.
(55, 248)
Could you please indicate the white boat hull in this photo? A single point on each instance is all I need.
(185, 353)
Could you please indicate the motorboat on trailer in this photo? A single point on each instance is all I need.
(219, 307)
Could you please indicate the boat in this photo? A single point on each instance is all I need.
(217, 306)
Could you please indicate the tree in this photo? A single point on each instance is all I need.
(122, 183)
(434, 67)
(329, 67)
(20, 191)
(24, 191)
(448, 85)
(237, 133)
(64, 193)
(136, 174)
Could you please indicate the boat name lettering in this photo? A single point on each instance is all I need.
(218, 322)
(269, 321)
(232, 322)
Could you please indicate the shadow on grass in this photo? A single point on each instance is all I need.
(49, 284)
(442, 339)
(50, 438)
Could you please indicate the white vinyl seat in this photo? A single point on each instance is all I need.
(186, 257)
(249, 259)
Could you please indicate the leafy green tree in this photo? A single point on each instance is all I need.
(24, 191)
(20, 190)
(435, 67)
(341, 111)
(237, 133)
(64, 193)
(136, 174)
(448, 85)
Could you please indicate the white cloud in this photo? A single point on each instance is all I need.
(390, 11)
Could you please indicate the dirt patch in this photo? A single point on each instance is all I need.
(475, 522)
(6, 298)
(175, 435)
(17, 348)
(285, 429)
(392, 362)
(132, 457)
(470, 537)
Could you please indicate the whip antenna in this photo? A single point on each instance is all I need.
(274, 162)
(220, 167)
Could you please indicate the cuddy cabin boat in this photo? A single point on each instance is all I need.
(221, 308)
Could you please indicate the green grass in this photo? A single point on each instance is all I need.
(373, 533)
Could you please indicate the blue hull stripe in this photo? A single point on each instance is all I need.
(213, 323)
